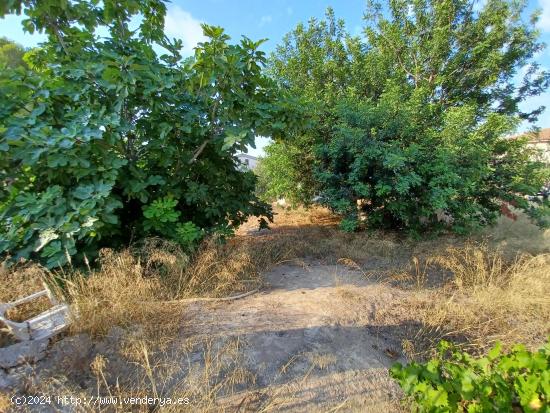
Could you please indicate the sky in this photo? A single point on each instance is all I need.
(272, 19)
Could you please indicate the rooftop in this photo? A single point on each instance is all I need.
(246, 156)
(543, 135)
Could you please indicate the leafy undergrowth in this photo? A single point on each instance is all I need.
(456, 382)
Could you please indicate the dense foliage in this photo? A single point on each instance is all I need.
(409, 119)
(280, 175)
(11, 54)
(105, 141)
(314, 62)
(456, 382)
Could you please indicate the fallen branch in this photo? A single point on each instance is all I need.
(234, 297)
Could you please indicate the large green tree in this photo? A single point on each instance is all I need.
(11, 54)
(316, 62)
(105, 141)
(410, 119)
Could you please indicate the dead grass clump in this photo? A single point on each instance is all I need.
(477, 265)
(20, 280)
(471, 293)
(116, 294)
(321, 361)
(314, 233)
(314, 216)
(493, 299)
(219, 269)
(207, 373)
(133, 286)
(166, 261)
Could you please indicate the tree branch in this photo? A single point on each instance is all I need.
(203, 145)
(198, 151)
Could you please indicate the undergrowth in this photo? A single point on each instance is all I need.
(472, 292)
(454, 381)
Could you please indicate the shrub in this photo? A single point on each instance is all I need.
(280, 176)
(456, 381)
(105, 141)
(409, 121)
(410, 172)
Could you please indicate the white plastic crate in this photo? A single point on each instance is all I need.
(41, 326)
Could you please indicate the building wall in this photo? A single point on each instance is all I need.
(544, 147)
(248, 161)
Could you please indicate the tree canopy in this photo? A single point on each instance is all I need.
(11, 54)
(105, 141)
(409, 120)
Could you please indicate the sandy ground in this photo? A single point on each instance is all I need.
(308, 341)
(306, 338)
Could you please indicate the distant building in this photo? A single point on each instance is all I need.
(540, 140)
(248, 161)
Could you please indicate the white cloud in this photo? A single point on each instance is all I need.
(180, 24)
(265, 20)
(544, 22)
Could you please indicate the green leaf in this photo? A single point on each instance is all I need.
(83, 192)
(232, 138)
(495, 351)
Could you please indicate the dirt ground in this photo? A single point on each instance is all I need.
(306, 342)
(331, 315)
(307, 337)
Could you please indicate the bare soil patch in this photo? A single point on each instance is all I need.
(333, 312)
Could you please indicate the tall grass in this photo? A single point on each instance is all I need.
(473, 291)
(476, 265)
(491, 297)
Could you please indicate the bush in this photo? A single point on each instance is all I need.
(409, 121)
(409, 172)
(455, 381)
(280, 176)
(105, 141)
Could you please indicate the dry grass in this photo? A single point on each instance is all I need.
(20, 281)
(492, 300)
(236, 266)
(491, 286)
(116, 295)
(139, 286)
(209, 374)
(481, 289)
(5, 402)
(474, 291)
